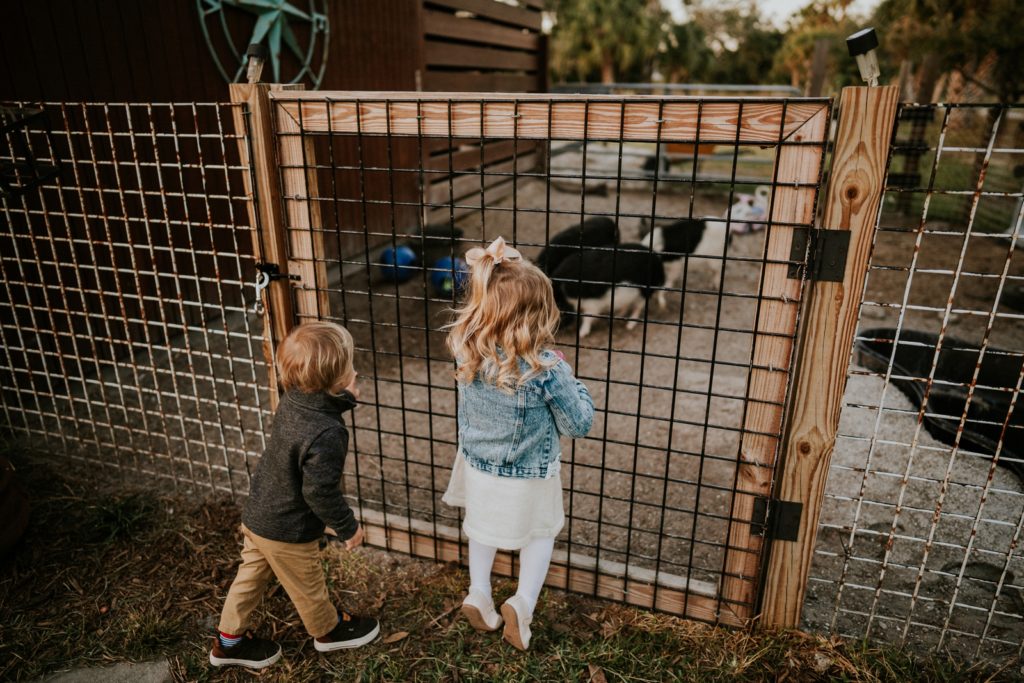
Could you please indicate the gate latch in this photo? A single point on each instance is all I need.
(267, 273)
(776, 519)
(826, 254)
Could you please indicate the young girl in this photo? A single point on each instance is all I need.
(516, 397)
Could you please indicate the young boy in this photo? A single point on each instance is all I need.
(294, 495)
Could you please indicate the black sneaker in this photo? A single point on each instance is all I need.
(251, 652)
(350, 632)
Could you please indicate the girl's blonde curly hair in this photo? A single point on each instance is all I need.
(509, 315)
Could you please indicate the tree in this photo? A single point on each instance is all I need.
(743, 43)
(962, 36)
(821, 21)
(683, 53)
(606, 36)
(724, 42)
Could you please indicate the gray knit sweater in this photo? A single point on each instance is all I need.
(295, 490)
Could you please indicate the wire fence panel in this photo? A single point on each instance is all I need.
(126, 339)
(919, 538)
(688, 358)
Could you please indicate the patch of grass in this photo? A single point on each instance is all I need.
(151, 579)
(117, 518)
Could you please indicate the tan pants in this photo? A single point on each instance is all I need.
(296, 566)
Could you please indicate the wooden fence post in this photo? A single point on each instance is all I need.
(866, 120)
(281, 222)
(265, 211)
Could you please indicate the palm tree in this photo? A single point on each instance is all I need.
(609, 36)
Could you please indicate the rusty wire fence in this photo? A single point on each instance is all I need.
(123, 314)
(919, 538)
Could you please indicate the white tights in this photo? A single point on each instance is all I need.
(533, 568)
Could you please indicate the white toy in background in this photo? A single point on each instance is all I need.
(750, 212)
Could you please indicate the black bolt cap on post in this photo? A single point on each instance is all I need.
(862, 42)
(259, 51)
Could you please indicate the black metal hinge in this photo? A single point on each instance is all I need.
(776, 519)
(826, 255)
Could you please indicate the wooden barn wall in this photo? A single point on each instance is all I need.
(143, 51)
(480, 46)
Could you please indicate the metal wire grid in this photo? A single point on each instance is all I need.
(126, 339)
(919, 539)
(649, 493)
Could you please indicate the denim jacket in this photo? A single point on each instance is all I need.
(516, 434)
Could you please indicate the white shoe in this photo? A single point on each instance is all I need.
(479, 610)
(517, 622)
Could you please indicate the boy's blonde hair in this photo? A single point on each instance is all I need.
(509, 306)
(316, 356)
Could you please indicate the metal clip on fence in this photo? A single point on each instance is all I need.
(267, 273)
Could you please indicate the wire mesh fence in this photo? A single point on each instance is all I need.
(129, 342)
(919, 538)
(666, 326)
(126, 341)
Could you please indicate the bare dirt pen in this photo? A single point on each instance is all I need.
(651, 485)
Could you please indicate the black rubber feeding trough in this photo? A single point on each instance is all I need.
(986, 414)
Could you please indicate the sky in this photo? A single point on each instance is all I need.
(777, 11)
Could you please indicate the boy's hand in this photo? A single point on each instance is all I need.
(352, 388)
(356, 540)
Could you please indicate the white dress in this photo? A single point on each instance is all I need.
(506, 512)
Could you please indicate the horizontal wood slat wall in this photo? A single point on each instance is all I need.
(480, 46)
(478, 82)
(462, 188)
(519, 17)
(452, 54)
(444, 25)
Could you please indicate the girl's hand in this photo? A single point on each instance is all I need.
(559, 353)
(352, 388)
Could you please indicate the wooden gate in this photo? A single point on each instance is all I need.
(339, 176)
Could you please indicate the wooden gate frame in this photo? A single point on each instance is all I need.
(867, 118)
(290, 224)
(281, 225)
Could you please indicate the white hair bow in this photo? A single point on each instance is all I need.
(497, 249)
